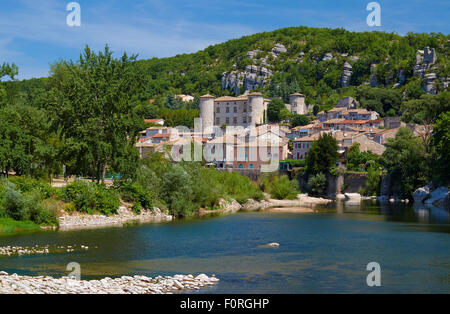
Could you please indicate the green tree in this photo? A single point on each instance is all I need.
(274, 109)
(440, 143)
(299, 119)
(405, 162)
(318, 184)
(95, 101)
(357, 160)
(323, 155)
(27, 143)
(373, 180)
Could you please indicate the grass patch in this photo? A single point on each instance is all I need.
(10, 226)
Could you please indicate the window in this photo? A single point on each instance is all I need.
(234, 120)
(245, 109)
(244, 120)
(218, 110)
(249, 108)
(250, 166)
(235, 109)
(249, 119)
(217, 121)
(228, 110)
(241, 166)
(227, 120)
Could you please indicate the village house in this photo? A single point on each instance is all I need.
(245, 151)
(301, 146)
(155, 121)
(185, 98)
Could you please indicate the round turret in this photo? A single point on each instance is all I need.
(256, 101)
(207, 112)
(297, 102)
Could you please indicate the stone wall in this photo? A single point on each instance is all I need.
(354, 182)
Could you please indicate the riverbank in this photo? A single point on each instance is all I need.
(11, 226)
(15, 284)
(302, 204)
(73, 221)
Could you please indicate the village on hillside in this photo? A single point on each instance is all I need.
(347, 123)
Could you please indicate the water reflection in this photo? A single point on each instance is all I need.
(323, 252)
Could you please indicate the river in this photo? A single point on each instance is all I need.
(323, 252)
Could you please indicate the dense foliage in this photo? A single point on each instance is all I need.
(25, 199)
(185, 187)
(279, 187)
(360, 161)
(323, 155)
(405, 161)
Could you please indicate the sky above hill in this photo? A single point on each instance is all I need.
(34, 34)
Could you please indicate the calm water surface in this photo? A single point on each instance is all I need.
(325, 252)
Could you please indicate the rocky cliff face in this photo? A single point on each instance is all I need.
(346, 75)
(258, 74)
(254, 75)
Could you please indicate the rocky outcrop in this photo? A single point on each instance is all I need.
(251, 78)
(229, 206)
(346, 75)
(254, 75)
(352, 198)
(429, 83)
(252, 205)
(278, 49)
(15, 284)
(373, 77)
(439, 197)
(327, 57)
(421, 194)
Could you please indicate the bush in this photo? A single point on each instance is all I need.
(26, 184)
(373, 181)
(137, 208)
(91, 198)
(29, 207)
(317, 184)
(282, 188)
(135, 193)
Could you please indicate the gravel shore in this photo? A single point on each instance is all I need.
(15, 284)
(125, 215)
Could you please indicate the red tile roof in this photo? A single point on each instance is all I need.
(161, 135)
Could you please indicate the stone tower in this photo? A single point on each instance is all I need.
(207, 112)
(256, 101)
(297, 102)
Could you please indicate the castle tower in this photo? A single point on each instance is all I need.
(256, 101)
(207, 111)
(297, 102)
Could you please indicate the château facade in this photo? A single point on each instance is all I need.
(246, 110)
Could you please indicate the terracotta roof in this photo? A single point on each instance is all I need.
(207, 96)
(161, 135)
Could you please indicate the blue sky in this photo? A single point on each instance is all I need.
(34, 34)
